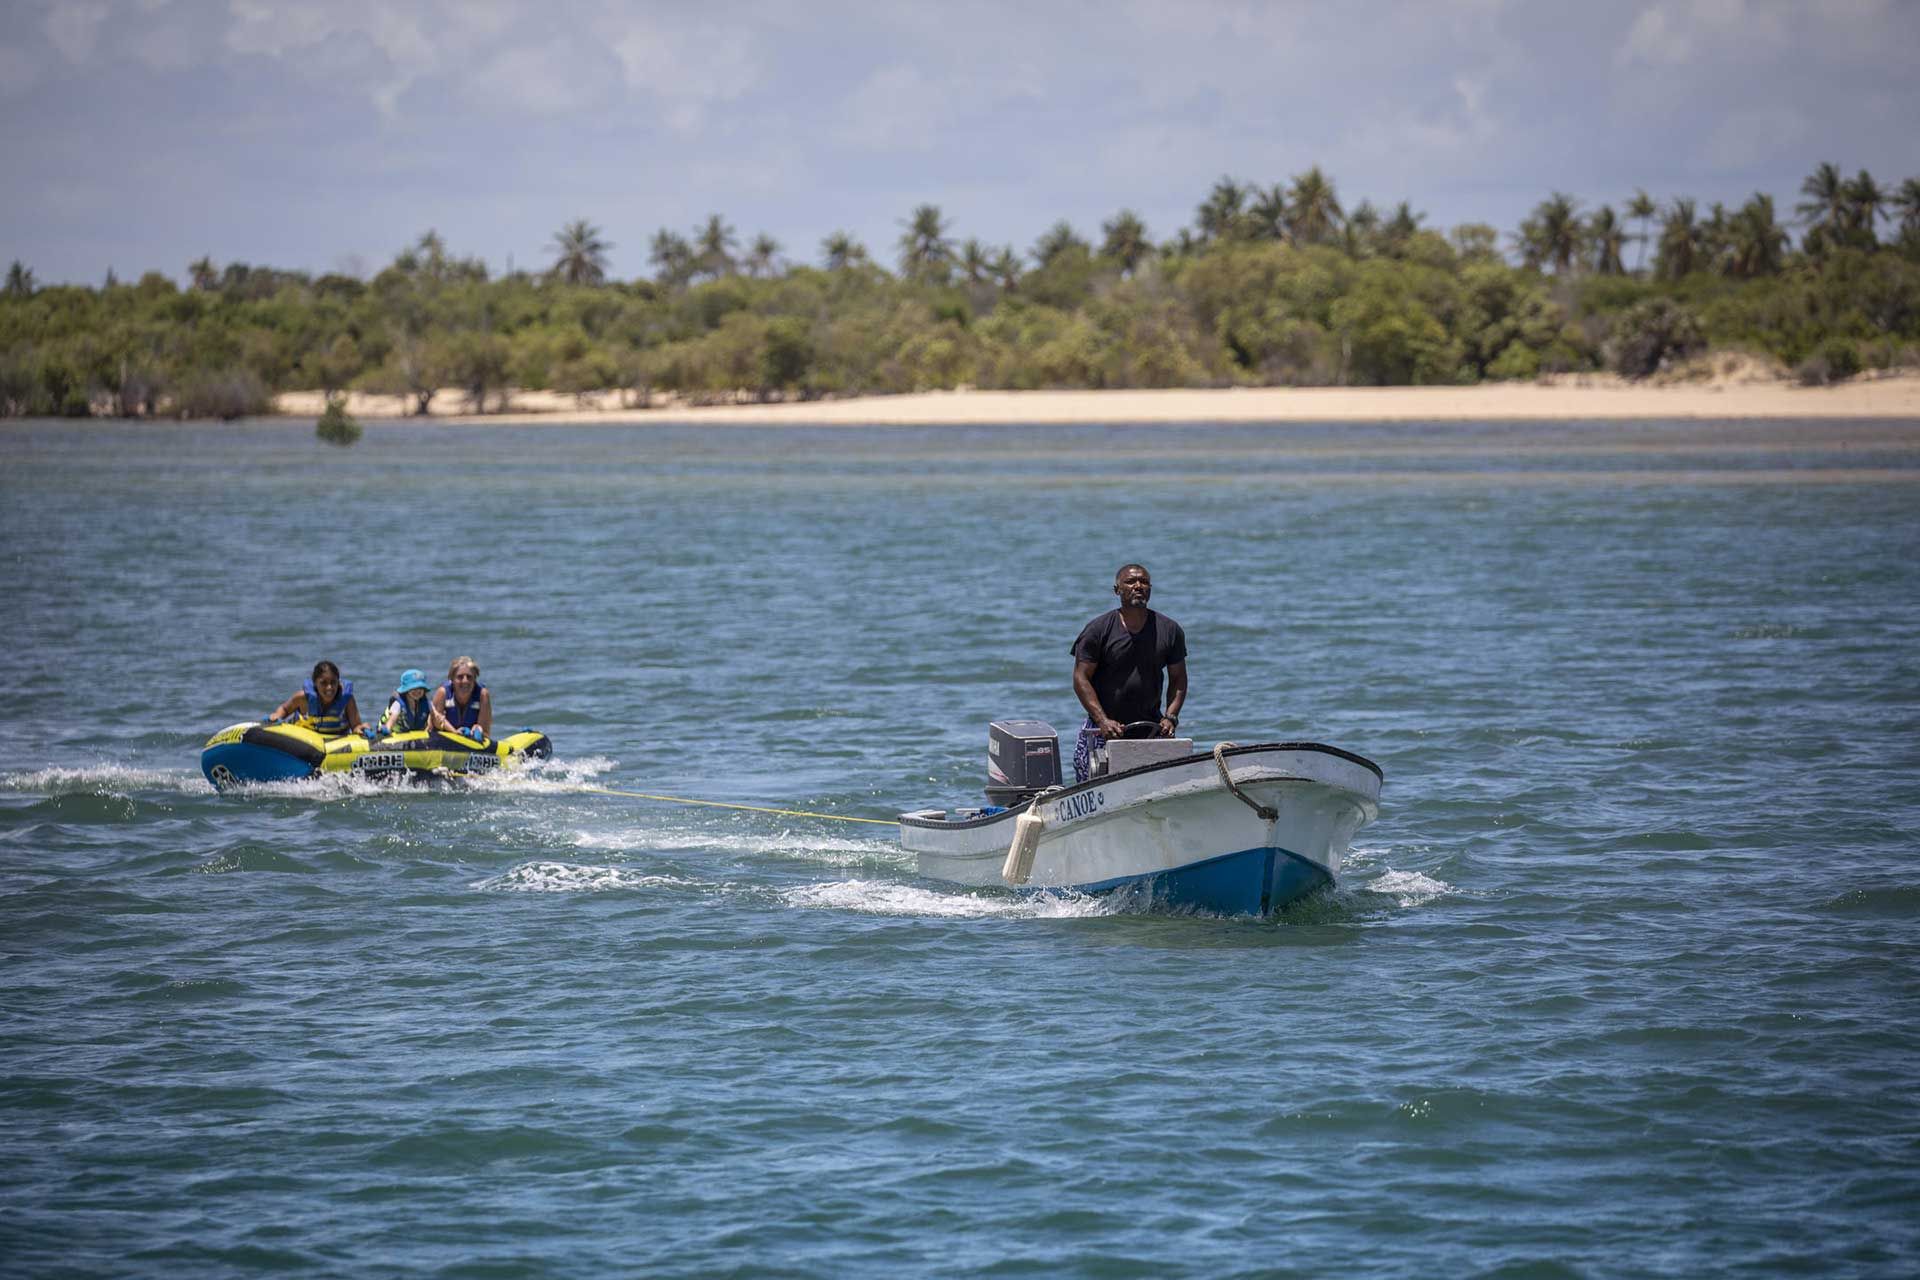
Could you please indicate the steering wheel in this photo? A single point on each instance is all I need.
(1141, 729)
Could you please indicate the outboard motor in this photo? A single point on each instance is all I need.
(1023, 759)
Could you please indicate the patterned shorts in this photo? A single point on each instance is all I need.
(1083, 750)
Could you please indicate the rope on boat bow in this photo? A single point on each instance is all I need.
(1266, 812)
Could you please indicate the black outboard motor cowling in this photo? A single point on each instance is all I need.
(1023, 759)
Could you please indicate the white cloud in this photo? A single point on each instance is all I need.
(905, 107)
(548, 80)
(74, 28)
(1678, 32)
(687, 69)
(168, 46)
(1467, 128)
(1654, 39)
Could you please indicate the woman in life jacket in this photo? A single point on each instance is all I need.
(324, 704)
(412, 706)
(465, 701)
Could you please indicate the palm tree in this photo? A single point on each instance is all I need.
(1553, 233)
(672, 255)
(1866, 205)
(713, 246)
(1059, 239)
(925, 251)
(1679, 248)
(1608, 238)
(1363, 230)
(761, 257)
(202, 274)
(1268, 218)
(1825, 208)
(976, 264)
(1907, 201)
(580, 255)
(432, 253)
(1401, 227)
(1006, 268)
(1218, 216)
(20, 283)
(1185, 244)
(1641, 209)
(1716, 240)
(1126, 240)
(1757, 244)
(1313, 211)
(840, 251)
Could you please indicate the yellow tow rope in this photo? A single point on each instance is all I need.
(750, 808)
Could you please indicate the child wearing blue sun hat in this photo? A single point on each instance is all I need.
(412, 706)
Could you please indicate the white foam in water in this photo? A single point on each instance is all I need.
(878, 897)
(835, 851)
(1361, 856)
(104, 779)
(329, 787)
(546, 777)
(1410, 888)
(565, 877)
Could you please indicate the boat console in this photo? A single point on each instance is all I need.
(1123, 754)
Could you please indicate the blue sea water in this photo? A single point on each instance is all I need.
(1625, 981)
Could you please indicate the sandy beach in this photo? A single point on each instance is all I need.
(1573, 398)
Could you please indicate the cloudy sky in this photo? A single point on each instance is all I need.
(326, 134)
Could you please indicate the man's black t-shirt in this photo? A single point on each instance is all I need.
(1128, 667)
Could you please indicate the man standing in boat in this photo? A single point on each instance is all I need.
(1117, 664)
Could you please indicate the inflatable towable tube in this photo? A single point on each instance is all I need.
(255, 752)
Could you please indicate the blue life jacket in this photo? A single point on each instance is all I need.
(467, 717)
(331, 718)
(409, 718)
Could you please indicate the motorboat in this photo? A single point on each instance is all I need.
(1231, 830)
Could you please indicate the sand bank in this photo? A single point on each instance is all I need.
(1577, 398)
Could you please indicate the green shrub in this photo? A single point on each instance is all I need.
(1517, 363)
(1843, 358)
(1650, 334)
(336, 425)
(1836, 360)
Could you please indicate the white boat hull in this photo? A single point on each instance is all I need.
(1173, 832)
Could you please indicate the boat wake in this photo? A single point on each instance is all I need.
(545, 777)
(104, 780)
(1407, 888)
(879, 897)
(839, 851)
(565, 877)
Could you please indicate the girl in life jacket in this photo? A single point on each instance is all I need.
(324, 704)
(465, 701)
(412, 706)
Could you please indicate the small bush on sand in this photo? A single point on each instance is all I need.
(1651, 334)
(1836, 360)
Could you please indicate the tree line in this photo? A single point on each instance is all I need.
(1269, 285)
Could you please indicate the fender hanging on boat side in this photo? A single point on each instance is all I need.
(1018, 868)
